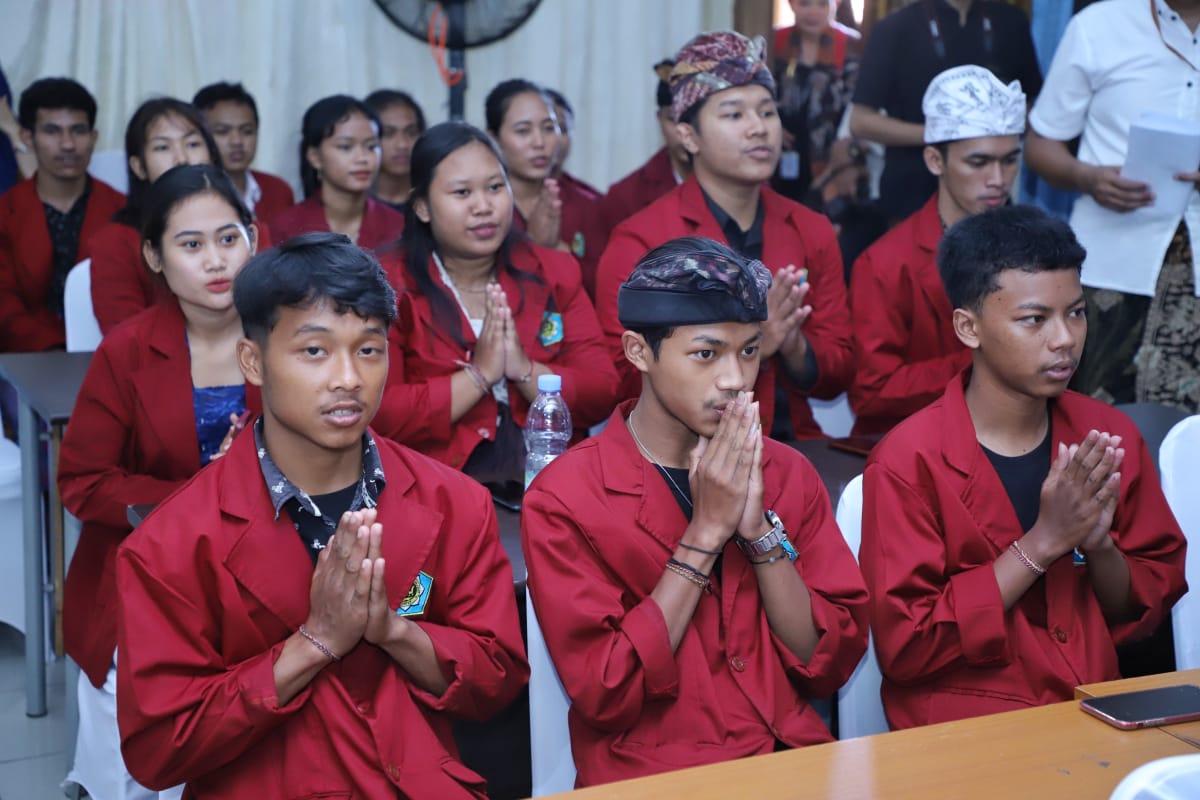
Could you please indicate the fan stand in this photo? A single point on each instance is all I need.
(446, 33)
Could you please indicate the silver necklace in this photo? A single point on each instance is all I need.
(649, 455)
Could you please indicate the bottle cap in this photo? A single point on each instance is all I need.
(549, 383)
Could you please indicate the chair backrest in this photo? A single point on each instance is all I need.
(549, 737)
(1153, 421)
(860, 709)
(110, 167)
(1180, 464)
(834, 416)
(1173, 778)
(83, 331)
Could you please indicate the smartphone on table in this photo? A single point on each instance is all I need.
(1146, 708)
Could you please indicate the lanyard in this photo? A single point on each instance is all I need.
(1158, 27)
(935, 31)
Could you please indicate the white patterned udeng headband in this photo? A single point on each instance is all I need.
(969, 102)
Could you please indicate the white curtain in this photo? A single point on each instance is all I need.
(289, 53)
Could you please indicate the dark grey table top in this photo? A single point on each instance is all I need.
(48, 381)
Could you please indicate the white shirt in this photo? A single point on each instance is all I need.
(1112, 65)
(253, 192)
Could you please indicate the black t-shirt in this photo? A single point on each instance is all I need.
(313, 530)
(902, 56)
(1023, 477)
(677, 481)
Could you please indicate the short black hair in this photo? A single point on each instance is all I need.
(978, 248)
(306, 270)
(654, 337)
(662, 70)
(54, 93)
(222, 92)
(381, 100)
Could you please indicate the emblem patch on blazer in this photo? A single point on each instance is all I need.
(418, 596)
(551, 331)
(578, 245)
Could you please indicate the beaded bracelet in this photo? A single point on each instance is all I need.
(689, 576)
(1023, 557)
(303, 632)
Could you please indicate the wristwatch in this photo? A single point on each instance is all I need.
(777, 535)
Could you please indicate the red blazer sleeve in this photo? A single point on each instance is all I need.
(923, 623)
(93, 479)
(625, 247)
(481, 653)
(119, 287)
(215, 714)
(620, 657)
(25, 326)
(1148, 535)
(828, 329)
(835, 587)
(413, 412)
(887, 383)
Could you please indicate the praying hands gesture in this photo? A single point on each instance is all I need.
(544, 223)
(722, 475)
(786, 313)
(1079, 498)
(344, 588)
(491, 346)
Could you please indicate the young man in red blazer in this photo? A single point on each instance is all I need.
(723, 99)
(232, 115)
(665, 170)
(45, 220)
(905, 349)
(264, 650)
(679, 648)
(1013, 531)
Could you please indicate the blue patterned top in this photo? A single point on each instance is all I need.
(213, 405)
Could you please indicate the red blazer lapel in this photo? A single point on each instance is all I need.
(162, 387)
(264, 554)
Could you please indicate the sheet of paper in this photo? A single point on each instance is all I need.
(1160, 147)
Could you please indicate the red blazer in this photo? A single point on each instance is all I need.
(638, 189)
(211, 586)
(131, 439)
(276, 195)
(122, 284)
(935, 517)
(597, 526)
(791, 235)
(27, 263)
(904, 342)
(381, 224)
(416, 402)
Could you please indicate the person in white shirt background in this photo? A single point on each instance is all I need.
(1117, 60)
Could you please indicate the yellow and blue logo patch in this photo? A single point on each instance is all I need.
(551, 331)
(578, 245)
(417, 598)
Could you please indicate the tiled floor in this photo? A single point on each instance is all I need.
(32, 760)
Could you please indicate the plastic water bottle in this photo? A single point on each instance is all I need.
(547, 427)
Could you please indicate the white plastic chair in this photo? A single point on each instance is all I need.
(110, 167)
(83, 331)
(1174, 778)
(12, 566)
(549, 737)
(1179, 461)
(860, 709)
(834, 416)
